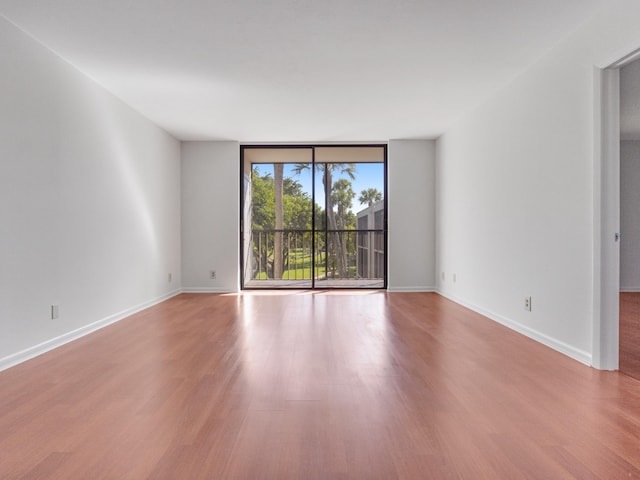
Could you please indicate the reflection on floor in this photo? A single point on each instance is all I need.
(630, 334)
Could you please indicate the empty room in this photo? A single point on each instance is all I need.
(350, 239)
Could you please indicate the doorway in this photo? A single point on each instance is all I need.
(629, 309)
(313, 217)
(615, 123)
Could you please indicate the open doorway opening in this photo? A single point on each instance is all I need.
(629, 309)
(614, 274)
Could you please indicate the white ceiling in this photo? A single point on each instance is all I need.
(301, 70)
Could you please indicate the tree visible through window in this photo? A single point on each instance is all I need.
(313, 223)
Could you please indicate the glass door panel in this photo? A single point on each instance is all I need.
(278, 218)
(353, 221)
(314, 217)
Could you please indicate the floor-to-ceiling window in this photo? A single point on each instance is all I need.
(314, 216)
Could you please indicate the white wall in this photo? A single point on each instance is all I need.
(516, 190)
(210, 211)
(89, 203)
(630, 101)
(630, 216)
(210, 216)
(630, 177)
(411, 216)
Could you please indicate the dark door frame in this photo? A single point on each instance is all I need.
(312, 147)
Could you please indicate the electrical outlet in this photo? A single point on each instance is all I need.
(454, 278)
(54, 312)
(212, 274)
(170, 277)
(527, 304)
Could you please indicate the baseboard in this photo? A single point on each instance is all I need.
(411, 289)
(629, 289)
(572, 352)
(206, 290)
(31, 352)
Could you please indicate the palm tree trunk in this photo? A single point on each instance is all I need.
(331, 218)
(278, 257)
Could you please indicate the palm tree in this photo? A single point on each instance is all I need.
(341, 197)
(278, 254)
(328, 169)
(370, 196)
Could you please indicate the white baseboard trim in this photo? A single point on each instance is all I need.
(630, 289)
(411, 289)
(572, 352)
(31, 352)
(206, 290)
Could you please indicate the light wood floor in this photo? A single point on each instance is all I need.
(314, 386)
(630, 334)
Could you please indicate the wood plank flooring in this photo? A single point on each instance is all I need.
(314, 386)
(630, 334)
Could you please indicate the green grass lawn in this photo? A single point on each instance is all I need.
(299, 264)
(303, 273)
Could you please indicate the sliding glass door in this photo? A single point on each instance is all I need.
(313, 217)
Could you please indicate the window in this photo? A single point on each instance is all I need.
(313, 216)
